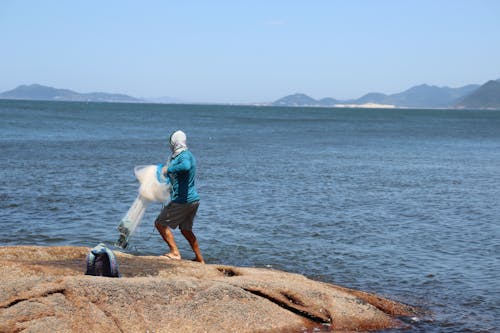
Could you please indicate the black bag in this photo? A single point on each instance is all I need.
(101, 261)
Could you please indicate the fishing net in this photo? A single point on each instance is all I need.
(154, 187)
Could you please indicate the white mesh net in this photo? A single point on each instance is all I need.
(153, 188)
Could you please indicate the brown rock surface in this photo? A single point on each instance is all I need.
(44, 289)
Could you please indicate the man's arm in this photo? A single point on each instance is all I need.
(182, 164)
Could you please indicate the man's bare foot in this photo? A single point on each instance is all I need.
(196, 260)
(172, 256)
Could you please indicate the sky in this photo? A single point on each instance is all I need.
(248, 51)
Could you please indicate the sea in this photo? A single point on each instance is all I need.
(399, 202)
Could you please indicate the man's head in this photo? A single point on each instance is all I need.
(177, 142)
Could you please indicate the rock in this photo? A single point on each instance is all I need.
(44, 289)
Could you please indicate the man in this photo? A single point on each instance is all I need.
(181, 210)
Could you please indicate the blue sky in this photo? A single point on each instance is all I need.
(248, 51)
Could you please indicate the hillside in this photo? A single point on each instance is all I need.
(485, 97)
(429, 96)
(44, 93)
(421, 96)
(296, 100)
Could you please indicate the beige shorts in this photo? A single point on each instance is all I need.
(179, 215)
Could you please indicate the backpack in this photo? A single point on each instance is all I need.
(101, 261)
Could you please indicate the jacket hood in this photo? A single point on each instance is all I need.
(178, 142)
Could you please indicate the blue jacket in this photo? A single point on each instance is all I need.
(181, 172)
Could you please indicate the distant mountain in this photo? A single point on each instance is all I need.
(44, 93)
(485, 97)
(430, 96)
(328, 101)
(296, 100)
(422, 96)
(377, 98)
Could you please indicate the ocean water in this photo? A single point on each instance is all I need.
(402, 203)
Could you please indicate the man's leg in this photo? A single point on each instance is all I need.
(168, 237)
(193, 242)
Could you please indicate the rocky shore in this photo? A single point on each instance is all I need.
(44, 289)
